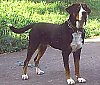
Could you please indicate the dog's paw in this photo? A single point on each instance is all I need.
(9, 25)
(70, 81)
(81, 80)
(24, 77)
(39, 71)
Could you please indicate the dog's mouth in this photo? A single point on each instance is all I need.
(80, 23)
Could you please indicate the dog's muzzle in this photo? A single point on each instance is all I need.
(82, 20)
(84, 16)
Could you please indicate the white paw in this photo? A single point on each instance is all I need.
(81, 80)
(24, 77)
(9, 25)
(39, 71)
(70, 81)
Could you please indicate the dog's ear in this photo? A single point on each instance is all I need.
(70, 9)
(74, 8)
(87, 8)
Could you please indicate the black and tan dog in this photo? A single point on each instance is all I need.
(67, 37)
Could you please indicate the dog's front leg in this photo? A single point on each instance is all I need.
(77, 69)
(65, 55)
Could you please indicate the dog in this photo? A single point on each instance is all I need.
(67, 37)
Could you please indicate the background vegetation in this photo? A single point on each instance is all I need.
(22, 12)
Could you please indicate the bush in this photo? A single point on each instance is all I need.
(92, 28)
(20, 13)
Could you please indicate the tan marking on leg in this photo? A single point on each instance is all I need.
(77, 71)
(24, 74)
(67, 72)
(41, 50)
(25, 69)
(70, 81)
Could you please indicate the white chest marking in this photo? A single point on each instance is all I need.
(76, 42)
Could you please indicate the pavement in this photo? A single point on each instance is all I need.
(52, 64)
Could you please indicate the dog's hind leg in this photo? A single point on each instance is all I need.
(77, 69)
(41, 50)
(30, 51)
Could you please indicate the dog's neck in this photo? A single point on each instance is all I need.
(72, 20)
(72, 23)
(72, 26)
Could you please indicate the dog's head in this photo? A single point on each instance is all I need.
(79, 13)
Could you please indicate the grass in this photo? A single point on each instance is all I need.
(21, 13)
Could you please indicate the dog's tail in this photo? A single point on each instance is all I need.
(20, 30)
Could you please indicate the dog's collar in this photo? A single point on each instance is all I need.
(70, 25)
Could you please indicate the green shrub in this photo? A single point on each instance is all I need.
(93, 28)
(20, 13)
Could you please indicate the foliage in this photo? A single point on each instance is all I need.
(20, 13)
(93, 28)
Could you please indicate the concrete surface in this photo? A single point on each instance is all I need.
(52, 64)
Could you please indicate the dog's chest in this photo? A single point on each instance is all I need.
(76, 41)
